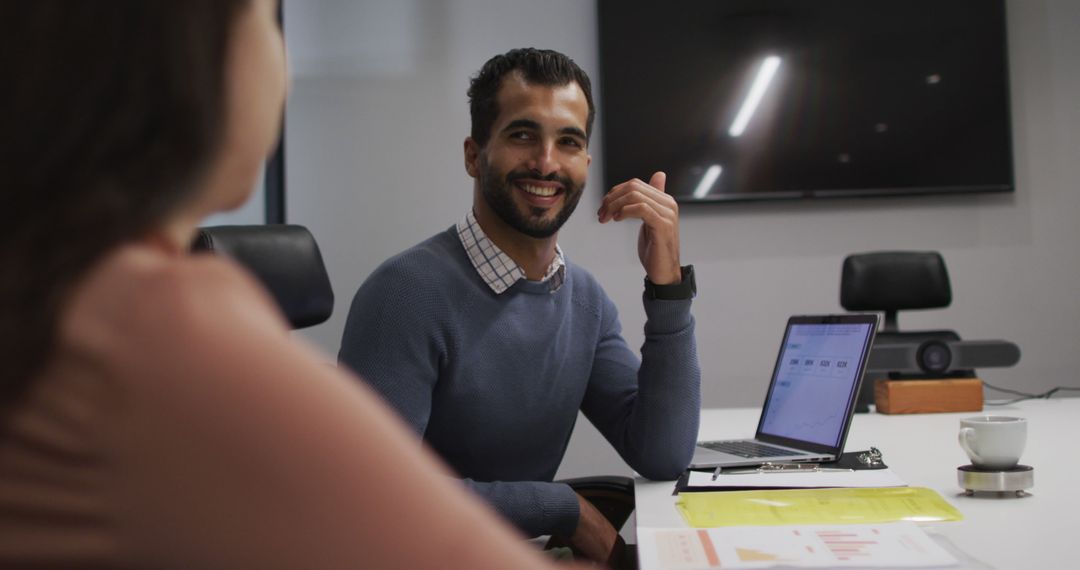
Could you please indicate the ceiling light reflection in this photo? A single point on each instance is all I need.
(757, 91)
(707, 181)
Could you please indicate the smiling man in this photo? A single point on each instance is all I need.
(488, 340)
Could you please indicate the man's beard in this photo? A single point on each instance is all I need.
(499, 195)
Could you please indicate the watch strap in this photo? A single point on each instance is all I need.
(685, 289)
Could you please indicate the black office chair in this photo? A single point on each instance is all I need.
(285, 258)
(893, 281)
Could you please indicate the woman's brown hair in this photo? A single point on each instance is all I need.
(110, 114)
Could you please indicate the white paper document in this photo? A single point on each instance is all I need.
(799, 480)
(892, 545)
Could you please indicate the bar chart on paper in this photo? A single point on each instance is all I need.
(893, 545)
(850, 544)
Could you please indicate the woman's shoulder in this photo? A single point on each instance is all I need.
(142, 293)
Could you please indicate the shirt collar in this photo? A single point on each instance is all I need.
(497, 269)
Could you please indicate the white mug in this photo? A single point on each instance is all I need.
(993, 442)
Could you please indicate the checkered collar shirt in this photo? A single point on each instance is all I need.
(496, 268)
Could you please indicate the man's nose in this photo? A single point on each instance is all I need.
(544, 159)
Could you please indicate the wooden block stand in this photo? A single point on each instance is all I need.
(928, 396)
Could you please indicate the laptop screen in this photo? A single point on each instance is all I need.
(815, 381)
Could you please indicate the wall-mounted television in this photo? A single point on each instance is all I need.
(773, 99)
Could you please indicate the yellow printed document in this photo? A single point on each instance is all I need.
(815, 506)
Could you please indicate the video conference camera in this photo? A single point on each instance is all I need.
(940, 356)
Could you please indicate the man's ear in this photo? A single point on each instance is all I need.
(472, 157)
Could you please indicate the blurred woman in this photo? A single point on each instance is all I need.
(154, 411)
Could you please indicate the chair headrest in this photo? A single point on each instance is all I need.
(894, 280)
(285, 258)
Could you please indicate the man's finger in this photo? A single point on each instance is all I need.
(658, 180)
(633, 191)
(662, 202)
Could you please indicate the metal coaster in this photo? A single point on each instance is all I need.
(1016, 480)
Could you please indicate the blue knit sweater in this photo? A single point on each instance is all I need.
(493, 383)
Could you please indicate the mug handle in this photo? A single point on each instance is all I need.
(967, 437)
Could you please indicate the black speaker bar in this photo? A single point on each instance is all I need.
(940, 356)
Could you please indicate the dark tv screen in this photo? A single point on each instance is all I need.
(768, 99)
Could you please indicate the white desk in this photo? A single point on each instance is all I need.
(1037, 531)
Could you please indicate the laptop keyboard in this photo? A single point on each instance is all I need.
(747, 448)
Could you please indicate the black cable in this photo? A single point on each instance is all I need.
(1007, 390)
(1026, 396)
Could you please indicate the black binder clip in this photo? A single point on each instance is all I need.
(871, 458)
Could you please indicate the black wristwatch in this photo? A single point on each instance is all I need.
(685, 289)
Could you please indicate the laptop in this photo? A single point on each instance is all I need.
(811, 398)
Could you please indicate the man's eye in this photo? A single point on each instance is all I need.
(571, 141)
(521, 135)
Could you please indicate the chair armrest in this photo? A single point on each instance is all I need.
(618, 485)
(613, 496)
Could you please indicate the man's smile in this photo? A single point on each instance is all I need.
(538, 192)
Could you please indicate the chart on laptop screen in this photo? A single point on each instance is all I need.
(815, 374)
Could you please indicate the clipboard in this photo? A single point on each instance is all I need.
(865, 460)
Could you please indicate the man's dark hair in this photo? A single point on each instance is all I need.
(113, 115)
(538, 67)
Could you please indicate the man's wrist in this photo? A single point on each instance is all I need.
(686, 288)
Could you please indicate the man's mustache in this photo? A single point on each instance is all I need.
(553, 177)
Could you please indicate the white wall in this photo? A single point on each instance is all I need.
(377, 118)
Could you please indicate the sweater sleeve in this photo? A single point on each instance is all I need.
(648, 410)
(391, 340)
(536, 508)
